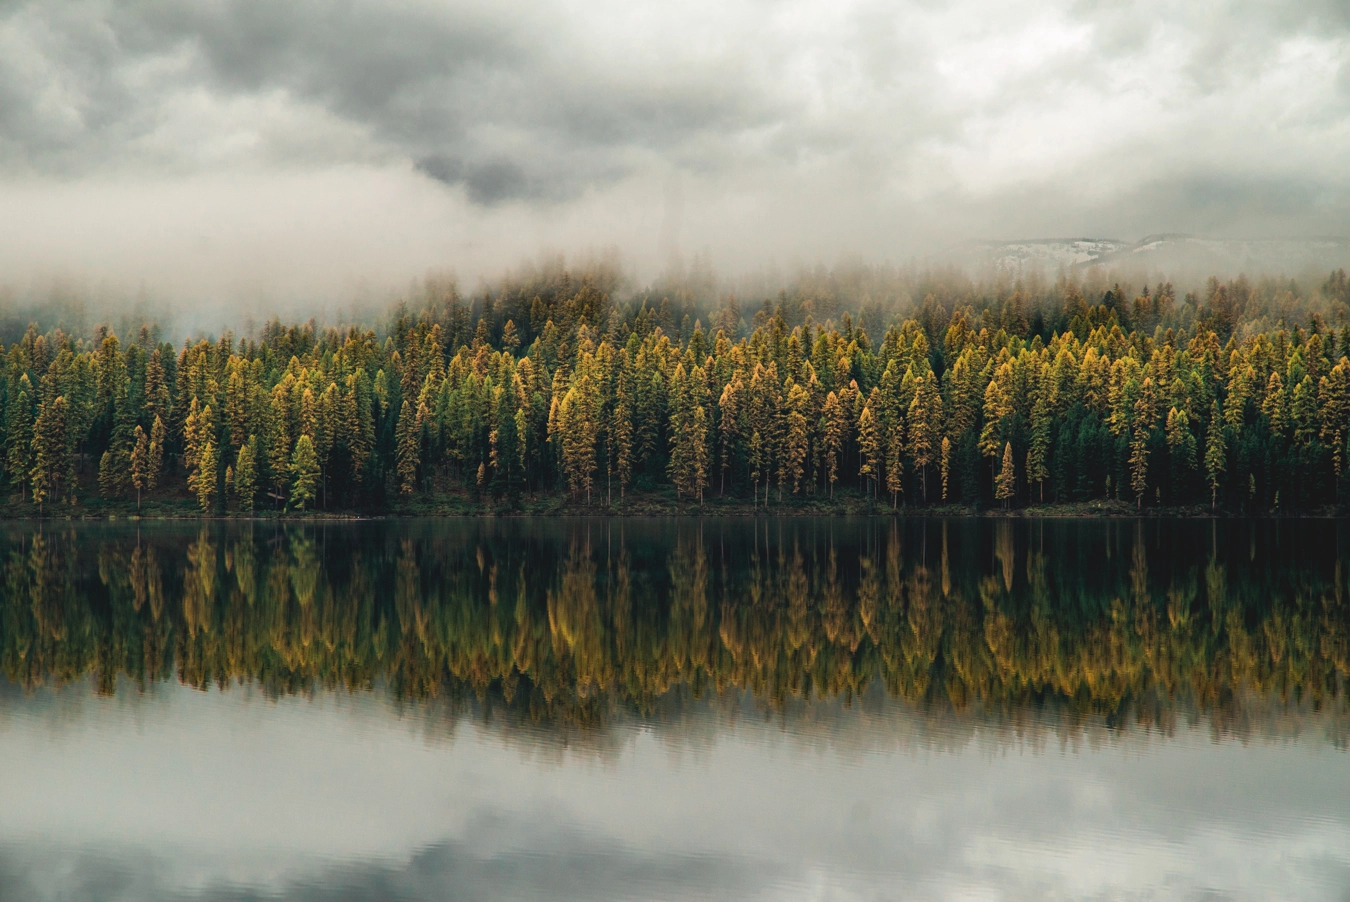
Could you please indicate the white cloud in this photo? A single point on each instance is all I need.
(794, 130)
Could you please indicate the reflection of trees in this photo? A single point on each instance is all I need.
(564, 624)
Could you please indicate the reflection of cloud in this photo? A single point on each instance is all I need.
(213, 796)
(1025, 853)
(563, 868)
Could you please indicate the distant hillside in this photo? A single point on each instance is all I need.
(1175, 255)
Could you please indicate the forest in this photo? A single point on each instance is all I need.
(551, 393)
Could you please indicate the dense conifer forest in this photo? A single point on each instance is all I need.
(552, 393)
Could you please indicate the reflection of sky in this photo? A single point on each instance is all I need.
(227, 796)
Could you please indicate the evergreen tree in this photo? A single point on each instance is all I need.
(895, 476)
(246, 474)
(1180, 446)
(50, 458)
(1216, 454)
(1005, 486)
(796, 437)
(870, 447)
(1037, 469)
(945, 464)
(925, 425)
(305, 470)
(409, 437)
(1145, 413)
(204, 480)
(155, 458)
(833, 428)
(19, 434)
(140, 464)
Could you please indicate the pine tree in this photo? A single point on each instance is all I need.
(204, 482)
(409, 438)
(869, 445)
(279, 443)
(200, 435)
(729, 405)
(140, 464)
(246, 474)
(833, 428)
(1180, 444)
(19, 435)
(155, 458)
(697, 464)
(1037, 469)
(925, 424)
(1216, 454)
(305, 467)
(757, 468)
(621, 436)
(895, 482)
(1145, 413)
(945, 464)
(1275, 406)
(796, 437)
(1005, 487)
(50, 461)
(108, 476)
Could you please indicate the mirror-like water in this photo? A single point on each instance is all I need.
(675, 709)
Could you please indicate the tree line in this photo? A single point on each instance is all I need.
(1016, 394)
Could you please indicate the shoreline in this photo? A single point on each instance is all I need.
(653, 508)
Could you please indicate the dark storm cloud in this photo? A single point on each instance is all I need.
(506, 101)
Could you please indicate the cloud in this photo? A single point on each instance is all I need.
(795, 129)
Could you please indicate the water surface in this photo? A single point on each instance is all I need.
(675, 709)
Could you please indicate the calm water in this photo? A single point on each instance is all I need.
(778, 709)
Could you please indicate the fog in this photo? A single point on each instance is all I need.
(232, 159)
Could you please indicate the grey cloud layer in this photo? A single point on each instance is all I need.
(815, 127)
(509, 102)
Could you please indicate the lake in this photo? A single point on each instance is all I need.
(675, 709)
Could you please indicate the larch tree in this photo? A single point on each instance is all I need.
(50, 458)
(870, 447)
(140, 463)
(246, 474)
(1216, 454)
(1005, 487)
(154, 461)
(408, 436)
(206, 475)
(945, 464)
(305, 470)
(925, 423)
(833, 430)
(1180, 444)
(895, 474)
(797, 437)
(1145, 414)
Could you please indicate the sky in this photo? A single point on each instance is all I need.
(264, 152)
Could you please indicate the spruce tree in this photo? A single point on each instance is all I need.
(1216, 454)
(246, 474)
(1005, 487)
(409, 439)
(305, 467)
(205, 478)
(140, 462)
(155, 457)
